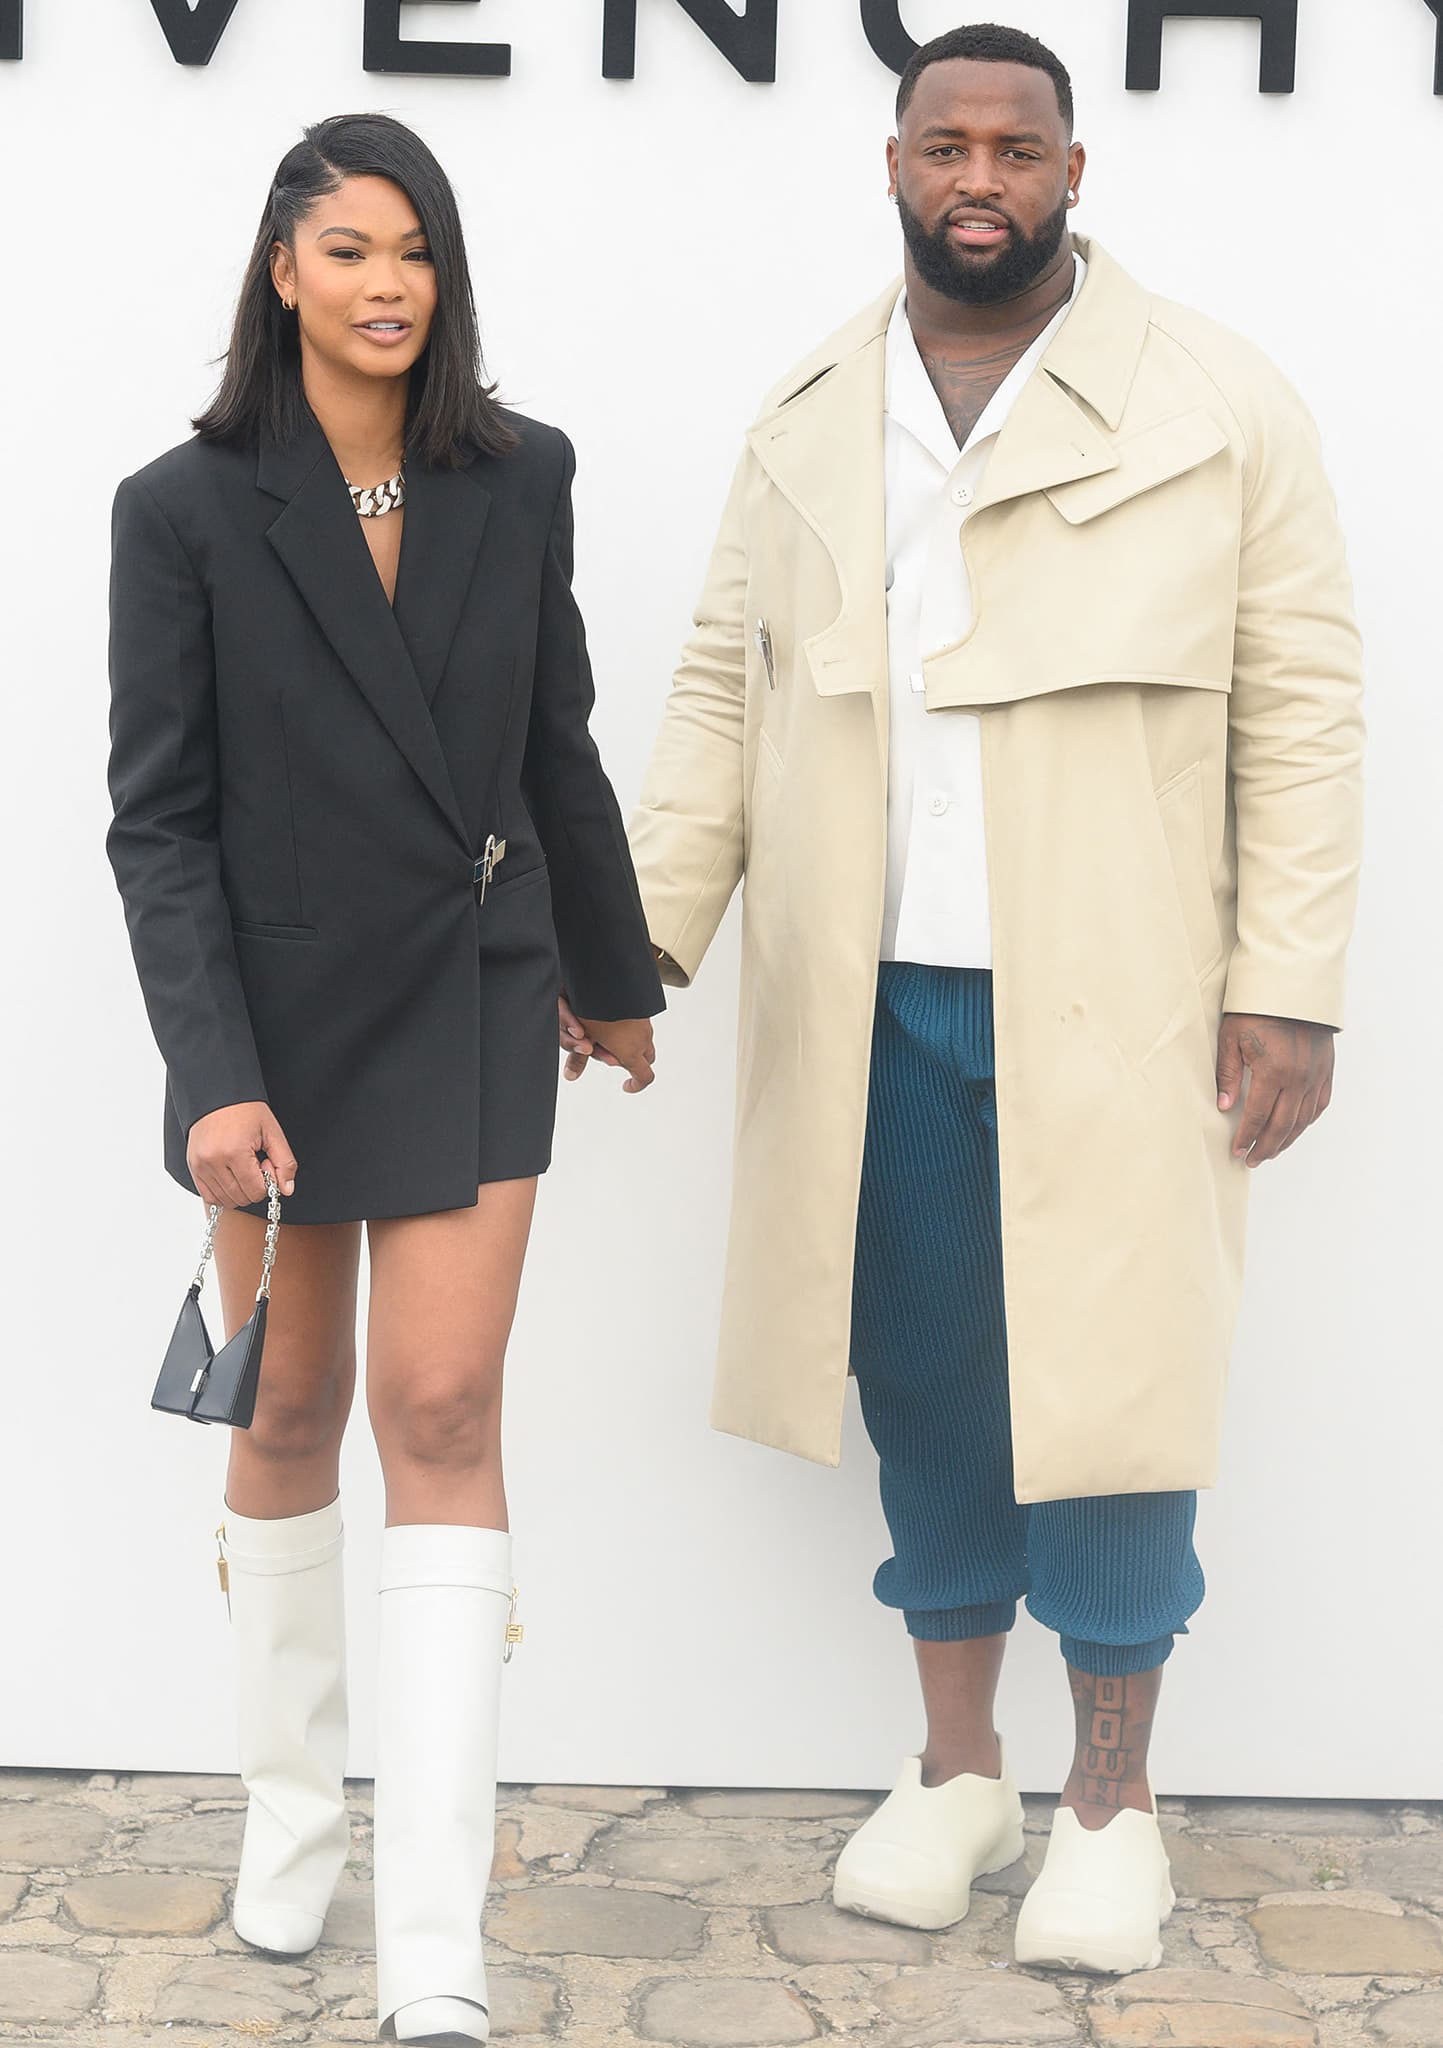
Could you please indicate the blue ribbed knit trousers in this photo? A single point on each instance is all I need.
(1116, 1578)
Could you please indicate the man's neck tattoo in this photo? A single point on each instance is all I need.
(967, 372)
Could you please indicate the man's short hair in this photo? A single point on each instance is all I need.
(986, 43)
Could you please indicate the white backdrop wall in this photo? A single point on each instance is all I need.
(650, 256)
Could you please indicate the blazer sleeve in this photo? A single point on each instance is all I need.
(606, 957)
(164, 787)
(687, 832)
(1295, 727)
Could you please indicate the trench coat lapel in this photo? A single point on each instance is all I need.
(317, 537)
(822, 445)
(1056, 432)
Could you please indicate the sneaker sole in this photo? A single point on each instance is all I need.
(910, 1909)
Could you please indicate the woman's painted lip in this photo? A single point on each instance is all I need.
(384, 337)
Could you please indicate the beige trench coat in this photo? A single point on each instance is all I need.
(1167, 669)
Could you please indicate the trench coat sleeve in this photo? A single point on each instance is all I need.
(164, 783)
(1296, 727)
(687, 833)
(606, 959)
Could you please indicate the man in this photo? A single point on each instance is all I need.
(1025, 692)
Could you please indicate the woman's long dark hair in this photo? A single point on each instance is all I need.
(450, 403)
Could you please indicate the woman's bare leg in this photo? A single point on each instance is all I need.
(288, 1461)
(443, 1299)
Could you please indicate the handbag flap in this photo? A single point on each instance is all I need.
(187, 1357)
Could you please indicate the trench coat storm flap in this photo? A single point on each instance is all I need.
(303, 778)
(1167, 670)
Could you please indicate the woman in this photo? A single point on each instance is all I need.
(364, 841)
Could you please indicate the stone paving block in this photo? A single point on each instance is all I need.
(16, 1784)
(208, 1843)
(12, 1891)
(1411, 1868)
(1200, 2026)
(595, 1920)
(736, 1805)
(724, 2012)
(351, 1921)
(171, 1788)
(690, 1859)
(506, 1861)
(731, 1869)
(524, 2004)
(142, 1902)
(820, 1934)
(588, 1798)
(38, 1985)
(547, 1831)
(1300, 1819)
(946, 2006)
(1234, 1867)
(1412, 2022)
(239, 1995)
(44, 1834)
(1332, 1940)
(1012, 1882)
(1201, 1987)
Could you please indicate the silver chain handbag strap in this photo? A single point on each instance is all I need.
(214, 1213)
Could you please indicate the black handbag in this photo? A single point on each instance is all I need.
(218, 1386)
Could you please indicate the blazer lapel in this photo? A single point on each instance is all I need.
(446, 514)
(318, 539)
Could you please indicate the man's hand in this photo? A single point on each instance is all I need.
(1290, 1081)
(629, 1042)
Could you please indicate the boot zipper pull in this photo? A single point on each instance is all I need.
(222, 1567)
(515, 1631)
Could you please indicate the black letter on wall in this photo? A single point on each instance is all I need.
(1279, 19)
(193, 36)
(883, 23)
(12, 27)
(384, 50)
(1436, 5)
(748, 43)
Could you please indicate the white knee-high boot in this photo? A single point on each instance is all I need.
(288, 1622)
(446, 1597)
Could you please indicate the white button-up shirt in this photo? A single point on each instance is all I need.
(936, 903)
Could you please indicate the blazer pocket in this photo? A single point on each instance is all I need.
(1180, 808)
(1153, 456)
(249, 928)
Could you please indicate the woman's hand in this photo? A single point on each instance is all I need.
(628, 1042)
(221, 1154)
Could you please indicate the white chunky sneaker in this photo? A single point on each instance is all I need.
(914, 1860)
(1101, 1897)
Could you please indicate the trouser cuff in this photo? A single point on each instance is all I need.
(960, 1624)
(1116, 1660)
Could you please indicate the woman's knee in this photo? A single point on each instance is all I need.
(301, 1410)
(443, 1418)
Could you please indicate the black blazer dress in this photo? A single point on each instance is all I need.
(305, 782)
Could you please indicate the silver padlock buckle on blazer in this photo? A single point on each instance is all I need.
(483, 869)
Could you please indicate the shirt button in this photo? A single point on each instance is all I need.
(962, 494)
(938, 806)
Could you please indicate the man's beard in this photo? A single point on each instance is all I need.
(956, 273)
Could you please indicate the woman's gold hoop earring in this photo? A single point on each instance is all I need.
(289, 304)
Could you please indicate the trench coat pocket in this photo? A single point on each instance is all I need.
(1180, 808)
(1153, 456)
(249, 928)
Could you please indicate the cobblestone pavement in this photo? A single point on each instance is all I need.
(629, 1916)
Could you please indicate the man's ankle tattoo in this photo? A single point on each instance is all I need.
(1113, 1728)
